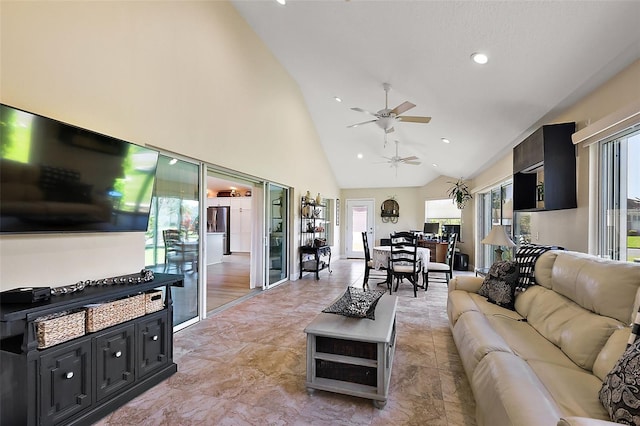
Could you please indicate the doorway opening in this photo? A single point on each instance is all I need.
(231, 212)
(360, 218)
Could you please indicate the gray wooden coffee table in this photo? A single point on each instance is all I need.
(353, 356)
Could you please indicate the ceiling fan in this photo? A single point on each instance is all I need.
(396, 160)
(386, 118)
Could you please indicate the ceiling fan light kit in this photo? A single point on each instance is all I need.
(387, 118)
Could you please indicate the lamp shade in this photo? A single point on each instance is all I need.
(498, 237)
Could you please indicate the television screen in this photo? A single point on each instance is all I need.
(55, 177)
(431, 228)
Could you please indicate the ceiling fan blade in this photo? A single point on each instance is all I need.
(413, 163)
(359, 124)
(403, 107)
(414, 119)
(413, 157)
(365, 111)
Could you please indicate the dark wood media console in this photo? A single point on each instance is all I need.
(84, 379)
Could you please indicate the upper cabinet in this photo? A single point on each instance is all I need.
(544, 170)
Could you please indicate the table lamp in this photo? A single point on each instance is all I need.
(498, 237)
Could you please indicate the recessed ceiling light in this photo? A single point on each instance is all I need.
(480, 58)
(360, 156)
(337, 99)
(445, 140)
(173, 161)
(434, 165)
(282, 2)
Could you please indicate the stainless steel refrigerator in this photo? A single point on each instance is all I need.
(218, 220)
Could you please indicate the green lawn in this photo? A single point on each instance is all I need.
(633, 242)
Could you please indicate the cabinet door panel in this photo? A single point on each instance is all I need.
(115, 355)
(152, 344)
(65, 376)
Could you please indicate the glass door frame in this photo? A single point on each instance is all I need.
(369, 204)
(269, 214)
(157, 236)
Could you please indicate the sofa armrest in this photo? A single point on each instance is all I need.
(466, 283)
(583, 421)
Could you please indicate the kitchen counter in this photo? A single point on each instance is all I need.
(215, 248)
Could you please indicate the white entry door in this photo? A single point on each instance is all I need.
(360, 218)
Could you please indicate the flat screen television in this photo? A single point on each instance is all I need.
(431, 228)
(55, 177)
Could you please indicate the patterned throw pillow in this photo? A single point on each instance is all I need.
(620, 392)
(499, 285)
(356, 303)
(526, 256)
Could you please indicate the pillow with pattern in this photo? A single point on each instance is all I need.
(526, 256)
(499, 285)
(620, 392)
(356, 303)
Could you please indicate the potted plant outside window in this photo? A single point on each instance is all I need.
(460, 193)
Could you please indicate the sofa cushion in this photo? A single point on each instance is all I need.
(459, 302)
(611, 352)
(575, 391)
(475, 337)
(508, 392)
(580, 334)
(528, 344)
(499, 285)
(635, 330)
(620, 392)
(587, 280)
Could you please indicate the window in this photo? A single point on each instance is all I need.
(495, 207)
(443, 212)
(619, 197)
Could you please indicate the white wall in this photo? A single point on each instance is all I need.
(187, 77)
(411, 201)
(569, 228)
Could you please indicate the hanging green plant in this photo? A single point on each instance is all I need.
(459, 193)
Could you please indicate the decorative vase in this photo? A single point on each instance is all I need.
(308, 198)
(318, 199)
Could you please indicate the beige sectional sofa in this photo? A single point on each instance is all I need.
(544, 363)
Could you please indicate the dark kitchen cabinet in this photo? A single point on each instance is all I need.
(544, 170)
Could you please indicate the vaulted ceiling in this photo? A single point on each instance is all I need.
(543, 56)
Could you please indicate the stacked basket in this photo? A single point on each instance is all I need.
(63, 326)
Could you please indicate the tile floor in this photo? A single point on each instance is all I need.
(245, 365)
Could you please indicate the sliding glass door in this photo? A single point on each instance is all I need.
(172, 238)
(277, 230)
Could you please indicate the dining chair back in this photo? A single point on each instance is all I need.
(368, 261)
(445, 268)
(403, 259)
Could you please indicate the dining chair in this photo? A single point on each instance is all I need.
(403, 260)
(445, 268)
(368, 263)
(174, 253)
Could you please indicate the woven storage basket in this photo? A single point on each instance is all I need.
(59, 327)
(105, 315)
(153, 301)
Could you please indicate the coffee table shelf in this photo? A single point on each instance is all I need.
(353, 356)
